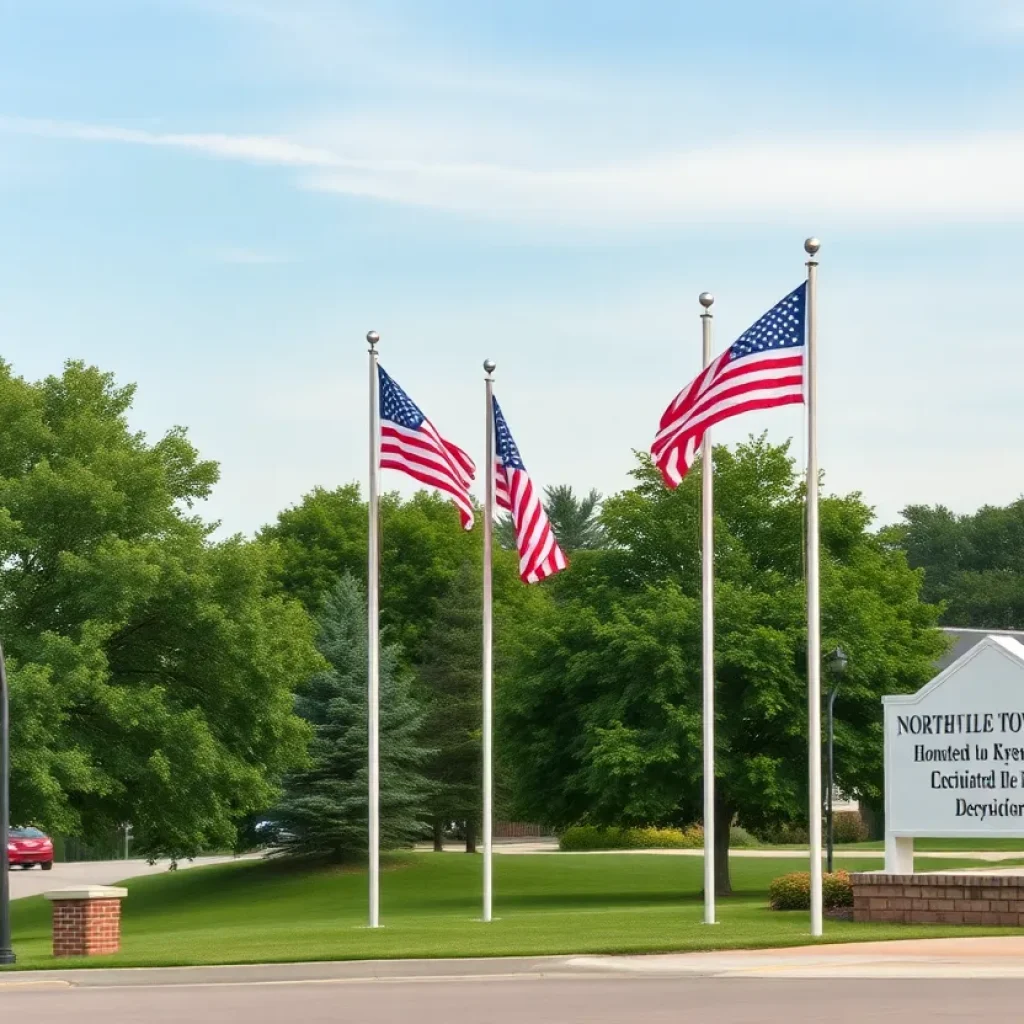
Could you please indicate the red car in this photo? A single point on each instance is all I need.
(28, 846)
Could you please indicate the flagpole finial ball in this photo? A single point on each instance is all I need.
(706, 299)
(372, 337)
(490, 366)
(811, 246)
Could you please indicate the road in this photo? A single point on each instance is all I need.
(34, 882)
(505, 992)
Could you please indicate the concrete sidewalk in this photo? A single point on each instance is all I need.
(988, 957)
(997, 957)
(516, 847)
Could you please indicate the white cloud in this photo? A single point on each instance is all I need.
(850, 180)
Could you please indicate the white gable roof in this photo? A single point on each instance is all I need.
(1003, 646)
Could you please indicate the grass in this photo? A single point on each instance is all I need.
(252, 912)
(992, 845)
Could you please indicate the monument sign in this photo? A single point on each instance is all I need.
(954, 753)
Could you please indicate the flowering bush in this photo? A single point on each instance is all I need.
(793, 892)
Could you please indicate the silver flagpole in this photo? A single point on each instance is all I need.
(811, 247)
(488, 665)
(373, 633)
(706, 299)
(6, 952)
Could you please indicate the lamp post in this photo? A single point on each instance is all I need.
(836, 662)
(6, 952)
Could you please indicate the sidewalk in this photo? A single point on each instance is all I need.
(519, 846)
(989, 957)
(979, 958)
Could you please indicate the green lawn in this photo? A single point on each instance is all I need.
(949, 845)
(257, 912)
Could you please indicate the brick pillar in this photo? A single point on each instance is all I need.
(86, 920)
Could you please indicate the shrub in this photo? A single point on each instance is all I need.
(740, 838)
(793, 892)
(784, 833)
(849, 827)
(592, 837)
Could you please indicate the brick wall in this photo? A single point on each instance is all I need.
(86, 927)
(519, 830)
(939, 899)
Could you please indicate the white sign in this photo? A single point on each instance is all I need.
(954, 752)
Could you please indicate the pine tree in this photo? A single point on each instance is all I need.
(450, 678)
(324, 810)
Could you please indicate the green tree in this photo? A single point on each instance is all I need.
(602, 714)
(152, 669)
(422, 549)
(575, 520)
(450, 678)
(325, 808)
(973, 564)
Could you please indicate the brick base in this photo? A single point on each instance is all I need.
(939, 899)
(86, 927)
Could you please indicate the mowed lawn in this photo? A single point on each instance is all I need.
(252, 911)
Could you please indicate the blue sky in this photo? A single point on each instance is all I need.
(218, 198)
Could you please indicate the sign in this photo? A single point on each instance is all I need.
(954, 751)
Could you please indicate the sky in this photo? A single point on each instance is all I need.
(216, 199)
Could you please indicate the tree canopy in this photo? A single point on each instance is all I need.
(151, 668)
(602, 711)
(973, 564)
(575, 520)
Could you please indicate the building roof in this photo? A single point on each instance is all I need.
(965, 639)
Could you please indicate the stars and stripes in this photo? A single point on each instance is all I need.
(410, 443)
(539, 553)
(762, 369)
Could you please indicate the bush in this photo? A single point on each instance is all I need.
(784, 833)
(592, 837)
(849, 827)
(741, 839)
(793, 892)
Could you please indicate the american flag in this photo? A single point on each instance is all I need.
(539, 553)
(762, 369)
(410, 443)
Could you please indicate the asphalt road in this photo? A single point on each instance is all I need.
(106, 872)
(536, 998)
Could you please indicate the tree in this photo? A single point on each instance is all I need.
(973, 564)
(603, 713)
(575, 521)
(422, 550)
(152, 669)
(450, 682)
(324, 810)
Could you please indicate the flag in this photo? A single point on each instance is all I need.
(762, 369)
(539, 553)
(410, 443)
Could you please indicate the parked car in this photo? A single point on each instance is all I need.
(28, 846)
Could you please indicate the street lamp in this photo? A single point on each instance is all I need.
(836, 663)
(6, 952)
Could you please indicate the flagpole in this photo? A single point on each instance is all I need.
(373, 634)
(7, 956)
(811, 247)
(706, 300)
(488, 642)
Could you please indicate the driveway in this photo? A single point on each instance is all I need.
(99, 872)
